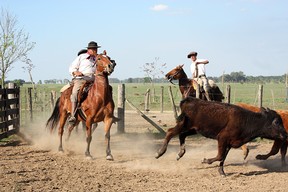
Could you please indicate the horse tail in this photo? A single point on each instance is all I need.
(53, 121)
(217, 94)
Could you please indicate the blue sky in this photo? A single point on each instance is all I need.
(234, 35)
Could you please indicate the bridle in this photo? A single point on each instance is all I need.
(171, 77)
(111, 64)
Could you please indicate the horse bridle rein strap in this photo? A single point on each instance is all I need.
(172, 77)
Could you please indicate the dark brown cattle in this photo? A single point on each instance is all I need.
(231, 125)
(278, 144)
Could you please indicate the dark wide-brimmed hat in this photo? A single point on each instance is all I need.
(92, 45)
(192, 54)
(82, 51)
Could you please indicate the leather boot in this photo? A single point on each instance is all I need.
(207, 96)
(72, 118)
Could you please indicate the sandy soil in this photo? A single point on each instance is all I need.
(40, 167)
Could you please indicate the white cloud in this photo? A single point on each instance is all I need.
(159, 7)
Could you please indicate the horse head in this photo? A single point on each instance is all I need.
(176, 73)
(104, 64)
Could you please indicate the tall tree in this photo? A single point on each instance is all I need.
(29, 66)
(153, 70)
(14, 44)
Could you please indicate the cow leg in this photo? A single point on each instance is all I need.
(182, 137)
(222, 147)
(221, 165)
(169, 135)
(283, 153)
(245, 150)
(274, 150)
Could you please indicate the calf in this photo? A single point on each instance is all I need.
(231, 125)
(278, 143)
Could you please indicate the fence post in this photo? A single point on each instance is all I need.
(121, 109)
(30, 102)
(260, 96)
(13, 106)
(162, 99)
(172, 101)
(53, 96)
(228, 94)
(286, 94)
(147, 99)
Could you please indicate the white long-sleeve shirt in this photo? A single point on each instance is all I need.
(201, 67)
(85, 64)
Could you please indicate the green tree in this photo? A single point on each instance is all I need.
(14, 44)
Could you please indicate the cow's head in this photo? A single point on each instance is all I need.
(274, 128)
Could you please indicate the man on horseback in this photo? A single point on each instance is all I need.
(82, 69)
(199, 72)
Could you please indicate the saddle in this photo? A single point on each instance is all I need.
(83, 92)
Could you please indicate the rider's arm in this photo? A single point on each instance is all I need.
(201, 61)
(74, 67)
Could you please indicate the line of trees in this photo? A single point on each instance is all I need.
(233, 77)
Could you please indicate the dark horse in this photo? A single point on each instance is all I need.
(96, 107)
(188, 86)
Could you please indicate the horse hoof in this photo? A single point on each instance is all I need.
(157, 155)
(60, 149)
(178, 157)
(89, 157)
(261, 157)
(109, 158)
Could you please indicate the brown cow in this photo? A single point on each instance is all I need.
(278, 144)
(231, 125)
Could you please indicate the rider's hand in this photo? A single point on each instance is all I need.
(77, 73)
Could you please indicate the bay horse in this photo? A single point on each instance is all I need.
(188, 87)
(97, 106)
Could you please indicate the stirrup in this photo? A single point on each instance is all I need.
(72, 119)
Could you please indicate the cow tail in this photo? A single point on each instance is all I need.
(181, 117)
(53, 121)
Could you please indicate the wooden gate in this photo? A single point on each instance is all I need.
(9, 111)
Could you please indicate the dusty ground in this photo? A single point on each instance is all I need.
(39, 167)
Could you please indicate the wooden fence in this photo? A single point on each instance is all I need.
(9, 111)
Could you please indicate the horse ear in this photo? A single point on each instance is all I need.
(263, 110)
(181, 65)
(104, 52)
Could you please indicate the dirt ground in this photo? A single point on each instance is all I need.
(40, 167)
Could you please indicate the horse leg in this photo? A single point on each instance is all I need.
(274, 150)
(107, 127)
(61, 131)
(88, 139)
(70, 129)
(245, 150)
(182, 137)
(94, 126)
